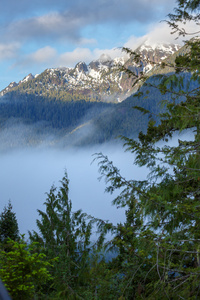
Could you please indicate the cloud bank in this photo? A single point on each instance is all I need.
(49, 57)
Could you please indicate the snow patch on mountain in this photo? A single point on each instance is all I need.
(165, 47)
(27, 78)
(100, 79)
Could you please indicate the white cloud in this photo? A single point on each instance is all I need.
(8, 51)
(84, 41)
(69, 59)
(135, 42)
(43, 55)
(68, 20)
(157, 34)
(42, 58)
(57, 22)
(162, 33)
(48, 56)
(113, 53)
(49, 26)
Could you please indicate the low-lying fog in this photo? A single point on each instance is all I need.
(26, 175)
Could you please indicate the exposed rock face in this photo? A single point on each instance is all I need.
(159, 52)
(81, 67)
(100, 80)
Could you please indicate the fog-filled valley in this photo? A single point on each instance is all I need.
(28, 173)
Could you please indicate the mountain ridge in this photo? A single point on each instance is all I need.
(100, 80)
(84, 122)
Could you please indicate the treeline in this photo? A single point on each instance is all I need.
(109, 120)
(31, 108)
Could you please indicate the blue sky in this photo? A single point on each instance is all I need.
(41, 34)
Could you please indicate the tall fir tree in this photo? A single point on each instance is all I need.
(8, 225)
(65, 235)
(159, 252)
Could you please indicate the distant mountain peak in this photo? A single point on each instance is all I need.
(81, 67)
(100, 80)
(104, 58)
(157, 52)
(27, 78)
(167, 47)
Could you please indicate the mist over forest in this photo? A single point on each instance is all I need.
(27, 173)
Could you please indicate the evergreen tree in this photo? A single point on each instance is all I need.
(65, 235)
(23, 271)
(159, 253)
(8, 225)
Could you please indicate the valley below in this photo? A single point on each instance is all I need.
(28, 173)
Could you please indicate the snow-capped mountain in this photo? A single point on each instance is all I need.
(100, 80)
(156, 53)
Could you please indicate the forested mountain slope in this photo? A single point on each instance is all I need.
(80, 121)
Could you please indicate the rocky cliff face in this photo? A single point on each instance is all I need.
(100, 80)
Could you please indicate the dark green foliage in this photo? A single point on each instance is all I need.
(187, 10)
(65, 235)
(159, 242)
(8, 225)
(30, 108)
